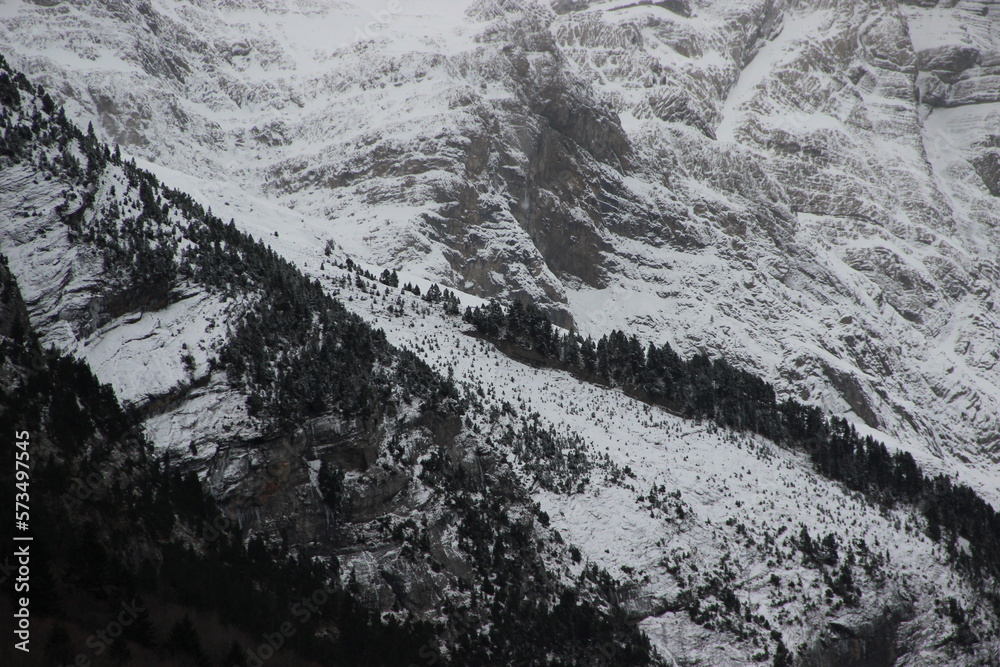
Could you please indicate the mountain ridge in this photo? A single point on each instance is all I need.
(841, 229)
(559, 438)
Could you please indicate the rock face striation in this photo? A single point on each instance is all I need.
(808, 188)
(310, 430)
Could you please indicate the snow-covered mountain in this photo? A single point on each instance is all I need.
(805, 189)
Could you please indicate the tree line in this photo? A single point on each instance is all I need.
(294, 351)
(701, 387)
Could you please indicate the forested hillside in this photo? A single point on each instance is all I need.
(281, 419)
(712, 389)
(293, 353)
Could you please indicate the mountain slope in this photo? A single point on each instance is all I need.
(346, 450)
(821, 175)
(506, 464)
(121, 540)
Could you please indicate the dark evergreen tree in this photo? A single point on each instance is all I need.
(389, 278)
(331, 486)
(142, 630)
(433, 294)
(119, 652)
(184, 640)
(235, 657)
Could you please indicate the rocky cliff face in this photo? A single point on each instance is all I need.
(823, 176)
(307, 427)
(832, 199)
(804, 188)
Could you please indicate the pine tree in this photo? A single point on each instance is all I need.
(806, 545)
(389, 278)
(185, 640)
(236, 657)
(331, 486)
(119, 653)
(142, 631)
